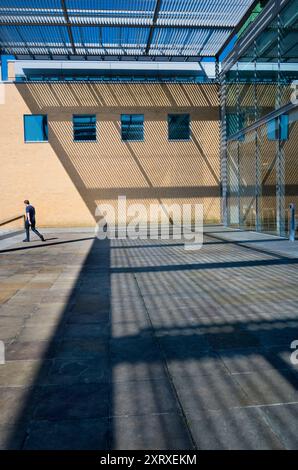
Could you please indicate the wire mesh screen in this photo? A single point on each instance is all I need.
(247, 167)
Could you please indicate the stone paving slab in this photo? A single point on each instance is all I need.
(83, 348)
(262, 241)
(142, 345)
(165, 431)
(39, 332)
(12, 401)
(68, 371)
(269, 386)
(126, 372)
(134, 350)
(12, 438)
(22, 373)
(138, 328)
(202, 364)
(143, 397)
(283, 420)
(233, 429)
(218, 391)
(72, 402)
(79, 434)
(255, 359)
(27, 350)
(178, 348)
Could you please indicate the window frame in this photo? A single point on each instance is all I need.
(189, 127)
(73, 129)
(278, 128)
(132, 140)
(35, 141)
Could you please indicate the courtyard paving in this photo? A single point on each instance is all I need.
(141, 344)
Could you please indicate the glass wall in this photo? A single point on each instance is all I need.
(247, 167)
(290, 149)
(233, 183)
(262, 158)
(261, 81)
(267, 204)
(262, 176)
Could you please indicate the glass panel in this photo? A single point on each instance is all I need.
(267, 200)
(262, 80)
(84, 127)
(284, 127)
(247, 166)
(132, 127)
(234, 123)
(291, 167)
(266, 98)
(179, 126)
(36, 128)
(233, 183)
(289, 49)
(267, 91)
(246, 104)
(114, 75)
(272, 133)
(278, 128)
(232, 116)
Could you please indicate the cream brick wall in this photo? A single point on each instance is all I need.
(65, 180)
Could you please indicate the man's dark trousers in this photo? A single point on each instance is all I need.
(27, 227)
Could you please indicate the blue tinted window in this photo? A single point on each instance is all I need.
(84, 127)
(284, 127)
(278, 128)
(179, 126)
(232, 124)
(272, 132)
(132, 127)
(36, 128)
(235, 122)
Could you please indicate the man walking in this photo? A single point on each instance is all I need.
(30, 222)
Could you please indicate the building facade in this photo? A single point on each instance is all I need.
(76, 136)
(63, 146)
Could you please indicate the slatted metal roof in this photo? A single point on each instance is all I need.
(189, 29)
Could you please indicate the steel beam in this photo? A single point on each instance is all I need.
(115, 25)
(155, 17)
(238, 27)
(105, 56)
(270, 12)
(68, 25)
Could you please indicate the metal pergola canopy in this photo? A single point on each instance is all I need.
(154, 29)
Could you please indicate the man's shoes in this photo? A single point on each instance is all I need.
(26, 241)
(42, 238)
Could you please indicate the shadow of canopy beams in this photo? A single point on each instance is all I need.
(198, 266)
(83, 413)
(48, 98)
